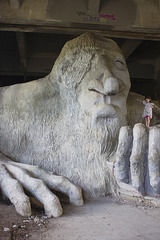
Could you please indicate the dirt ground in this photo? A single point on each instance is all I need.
(103, 219)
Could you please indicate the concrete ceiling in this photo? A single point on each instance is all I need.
(32, 34)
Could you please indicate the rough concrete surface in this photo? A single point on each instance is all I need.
(68, 123)
(103, 219)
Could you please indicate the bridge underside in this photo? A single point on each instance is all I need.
(32, 34)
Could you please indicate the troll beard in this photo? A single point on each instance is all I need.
(104, 135)
(84, 152)
(99, 144)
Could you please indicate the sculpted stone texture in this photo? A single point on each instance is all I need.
(68, 123)
(154, 158)
(123, 153)
(137, 161)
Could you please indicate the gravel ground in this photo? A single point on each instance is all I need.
(103, 219)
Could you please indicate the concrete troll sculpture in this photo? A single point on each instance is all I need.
(61, 132)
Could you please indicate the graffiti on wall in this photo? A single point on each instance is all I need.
(101, 18)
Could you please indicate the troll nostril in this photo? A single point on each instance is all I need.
(100, 77)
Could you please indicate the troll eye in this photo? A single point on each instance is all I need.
(120, 61)
(100, 77)
(120, 64)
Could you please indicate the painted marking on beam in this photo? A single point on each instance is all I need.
(101, 18)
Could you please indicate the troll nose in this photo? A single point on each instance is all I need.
(111, 86)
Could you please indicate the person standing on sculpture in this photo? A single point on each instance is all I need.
(147, 113)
